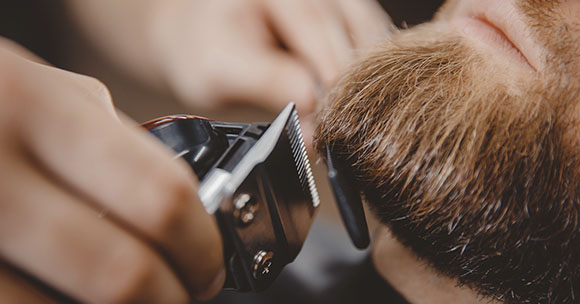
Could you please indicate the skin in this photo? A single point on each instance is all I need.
(414, 278)
(92, 207)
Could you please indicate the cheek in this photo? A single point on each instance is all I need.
(570, 11)
(571, 7)
(567, 43)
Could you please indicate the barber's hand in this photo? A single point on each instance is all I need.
(265, 52)
(88, 206)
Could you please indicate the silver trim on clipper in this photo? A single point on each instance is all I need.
(220, 184)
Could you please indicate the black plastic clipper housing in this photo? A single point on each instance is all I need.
(266, 220)
(348, 199)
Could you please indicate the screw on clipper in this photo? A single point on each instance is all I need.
(245, 209)
(262, 264)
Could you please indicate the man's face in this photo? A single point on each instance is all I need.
(463, 136)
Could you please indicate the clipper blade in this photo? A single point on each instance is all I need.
(303, 168)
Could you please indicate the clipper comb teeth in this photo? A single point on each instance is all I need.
(301, 157)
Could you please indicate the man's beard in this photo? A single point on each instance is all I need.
(476, 173)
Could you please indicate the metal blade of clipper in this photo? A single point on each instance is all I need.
(301, 157)
(219, 183)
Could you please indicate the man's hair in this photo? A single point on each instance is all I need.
(479, 179)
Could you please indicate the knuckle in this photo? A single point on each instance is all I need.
(98, 89)
(174, 197)
(206, 91)
(133, 276)
(13, 94)
(9, 74)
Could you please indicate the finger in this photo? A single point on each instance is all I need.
(15, 289)
(275, 79)
(335, 29)
(48, 234)
(132, 176)
(313, 33)
(18, 50)
(93, 89)
(14, 66)
(367, 22)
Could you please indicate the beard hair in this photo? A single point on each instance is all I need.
(476, 174)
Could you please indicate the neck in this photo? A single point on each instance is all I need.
(415, 279)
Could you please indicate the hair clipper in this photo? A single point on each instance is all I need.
(256, 179)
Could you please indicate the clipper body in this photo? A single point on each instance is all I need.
(256, 179)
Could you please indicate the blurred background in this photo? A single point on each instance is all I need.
(45, 28)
